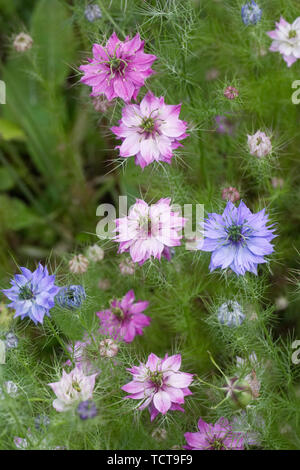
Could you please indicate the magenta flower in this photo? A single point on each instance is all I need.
(124, 319)
(231, 93)
(218, 436)
(119, 69)
(159, 384)
(149, 230)
(150, 130)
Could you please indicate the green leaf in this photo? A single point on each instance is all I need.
(6, 179)
(10, 131)
(53, 36)
(15, 215)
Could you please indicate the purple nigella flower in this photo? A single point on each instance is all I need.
(87, 409)
(119, 69)
(237, 239)
(32, 293)
(251, 13)
(150, 130)
(159, 384)
(218, 436)
(71, 297)
(124, 319)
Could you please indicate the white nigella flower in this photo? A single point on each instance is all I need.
(259, 144)
(95, 253)
(78, 264)
(286, 40)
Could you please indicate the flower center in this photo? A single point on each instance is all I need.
(259, 141)
(76, 386)
(114, 63)
(26, 293)
(217, 444)
(146, 225)
(148, 124)
(156, 378)
(292, 34)
(118, 312)
(235, 232)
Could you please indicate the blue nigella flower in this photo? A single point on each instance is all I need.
(238, 239)
(11, 341)
(92, 13)
(251, 13)
(32, 293)
(71, 296)
(87, 409)
(230, 314)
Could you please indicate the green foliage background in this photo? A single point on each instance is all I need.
(58, 163)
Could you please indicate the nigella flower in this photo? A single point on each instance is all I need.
(78, 354)
(231, 314)
(32, 293)
(218, 436)
(148, 230)
(159, 384)
(286, 40)
(118, 69)
(70, 297)
(108, 348)
(92, 12)
(23, 42)
(87, 409)
(259, 144)
(72, 388)
(230, 194)
(11, 341)
(237, 239)
(95, 253)
(231, 93)
(124, 319)
(240, 424)
(251, 13)
(150, 130)
(127, 267)
(224, 125)
(8, 388)
(78, 264)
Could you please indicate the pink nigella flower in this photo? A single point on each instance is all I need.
(230, 194)
(159, 384)
(231, 93)
(72, 388)
(150, 130)
(149, 230)
(218, 436)
(259, 144)
(286, 40)
(124, 319)
(119, 69)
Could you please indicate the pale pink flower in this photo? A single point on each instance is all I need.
(108, 348)
(72, 388)
(95, 253)
(159, 384)
(127, 267)
(286, 40)
(78, 264)
(277, 182)
(259, 144)
(124, 319)
(230, 194)
(150, 130)
(118, 69)
(148, 230)
(23, 42)
(104, 284)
